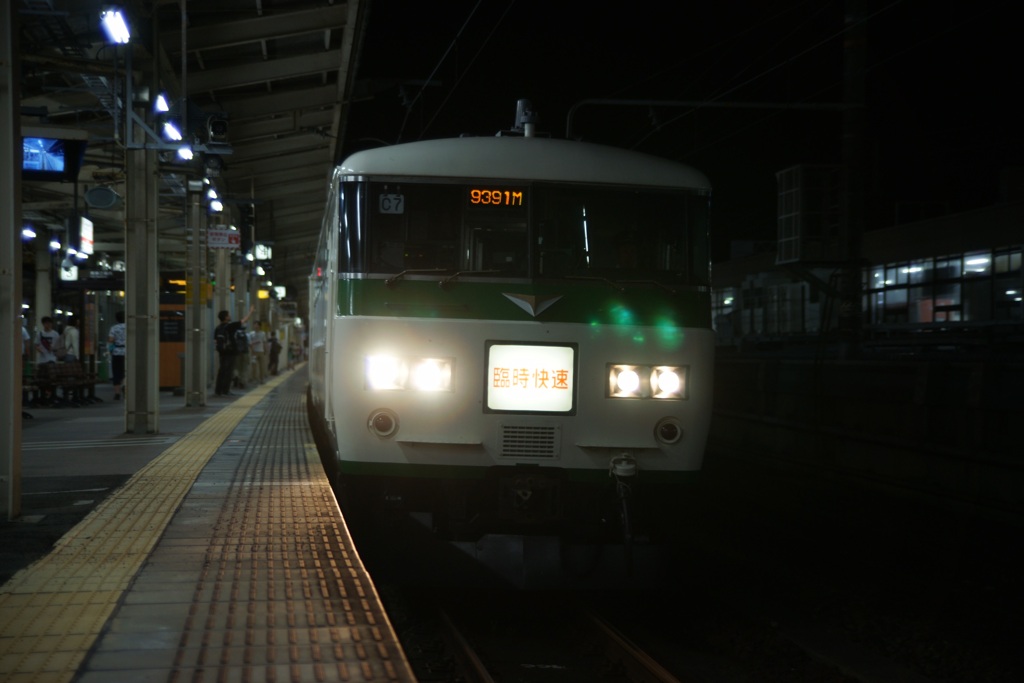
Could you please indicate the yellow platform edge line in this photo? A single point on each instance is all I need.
(44, 615)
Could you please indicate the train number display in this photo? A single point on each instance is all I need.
(495, 196)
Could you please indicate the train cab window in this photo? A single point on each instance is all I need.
(621, 234)
(409, 226)
(529, 230)
(498, 248)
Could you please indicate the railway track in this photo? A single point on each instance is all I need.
(761, 590)
(485, 638)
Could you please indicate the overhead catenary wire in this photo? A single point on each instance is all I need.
(789, 60)
(466, 70)
(437, 67)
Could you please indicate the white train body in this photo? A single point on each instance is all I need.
(509, 333)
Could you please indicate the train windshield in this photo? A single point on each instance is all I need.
(526, 230)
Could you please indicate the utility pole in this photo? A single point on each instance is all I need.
(852, 218)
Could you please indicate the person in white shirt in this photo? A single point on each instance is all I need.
(258, 350)
(48, 345)
(70, 338)
(116, 343)
(48, 342)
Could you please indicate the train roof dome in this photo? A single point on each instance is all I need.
(523, 158)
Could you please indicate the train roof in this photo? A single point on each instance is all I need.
(523, 158)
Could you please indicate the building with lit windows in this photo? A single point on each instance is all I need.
(947, 284)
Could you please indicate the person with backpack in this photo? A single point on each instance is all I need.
(224, 336)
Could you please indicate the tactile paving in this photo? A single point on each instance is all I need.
(250, 577)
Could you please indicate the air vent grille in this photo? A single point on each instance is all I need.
(525, 441)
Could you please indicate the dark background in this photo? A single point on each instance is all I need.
(940, 129)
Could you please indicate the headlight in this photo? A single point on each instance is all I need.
(668, 382)
(385, 373)
(393, 373)
(646, 381)
(432, 374)
(624, 382)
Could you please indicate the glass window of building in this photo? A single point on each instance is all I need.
(977, 264)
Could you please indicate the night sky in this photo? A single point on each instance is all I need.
(939, 126)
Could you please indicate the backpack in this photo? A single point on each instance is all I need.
(241, 341)
(221, 341)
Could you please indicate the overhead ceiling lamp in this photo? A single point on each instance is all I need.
(161, 105)
(185, 153)
(115, 26)
(171, 131)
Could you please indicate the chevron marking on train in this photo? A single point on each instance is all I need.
(97, 443)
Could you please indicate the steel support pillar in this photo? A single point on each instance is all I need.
(142, 285)
(196, 351)
(10, 266)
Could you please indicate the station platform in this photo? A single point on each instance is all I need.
(213, 550)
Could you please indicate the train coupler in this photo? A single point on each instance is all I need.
(624, 469)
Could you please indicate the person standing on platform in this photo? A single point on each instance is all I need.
(224, 341)
(48, 342)
(242, 354)
(258, 350)
(293, 354)
(48, 345)
(71, 339)
(116, 342)
(26, 342)
(274, 354)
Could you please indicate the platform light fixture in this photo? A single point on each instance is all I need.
(115, 25)
(171, 131)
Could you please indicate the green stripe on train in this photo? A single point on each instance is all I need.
(594, 301)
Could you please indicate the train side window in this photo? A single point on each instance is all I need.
(427, 255)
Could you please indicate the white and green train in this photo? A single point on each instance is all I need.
(511, 336)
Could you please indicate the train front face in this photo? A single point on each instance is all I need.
(508, 357)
